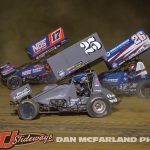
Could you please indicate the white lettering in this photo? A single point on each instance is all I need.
(66, 139)
(144, 139)
(40, 45)
(21, 94)
(27, 72)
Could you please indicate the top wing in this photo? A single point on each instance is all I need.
(76, 56)
(128, 49)
(51, 41)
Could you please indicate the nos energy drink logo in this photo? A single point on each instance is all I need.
(39, 46)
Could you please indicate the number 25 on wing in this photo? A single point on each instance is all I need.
(90, 45)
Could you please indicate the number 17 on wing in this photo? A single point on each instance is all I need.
(56, 36)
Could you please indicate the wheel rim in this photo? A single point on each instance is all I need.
(14, 82)
(99, 106)
(27, 111)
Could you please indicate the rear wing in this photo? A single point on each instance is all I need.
(77, 56)
(46, 44)
(128, 49)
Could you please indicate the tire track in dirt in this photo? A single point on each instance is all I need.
(88, 128)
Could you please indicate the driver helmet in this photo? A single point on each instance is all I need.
(79, 78)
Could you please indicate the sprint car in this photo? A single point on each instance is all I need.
(83, 93)
(127, 73)
(37, 71)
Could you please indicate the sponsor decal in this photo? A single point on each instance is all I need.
(37, 68)
(108, 54)
(111, 80)
(75, 67)
(79, 65)
(39, 46)
(33, 69)
(23, 93)
(71, 69)
(9, 139)
(61, 73)
(27, 72)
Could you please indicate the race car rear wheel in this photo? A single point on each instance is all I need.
(98, 106)
(14, 82)
(143, 89)
(28, 109)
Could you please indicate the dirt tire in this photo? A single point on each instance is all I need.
(14, 82)
(98, 106)
(28, 110)
(143, 89)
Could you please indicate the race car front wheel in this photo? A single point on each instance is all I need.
(98, 106)
(14, 82)
(143, 89)
(28, 109)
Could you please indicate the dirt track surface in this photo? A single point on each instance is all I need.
(128, 119)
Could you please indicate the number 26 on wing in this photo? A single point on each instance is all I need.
(139, 37)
